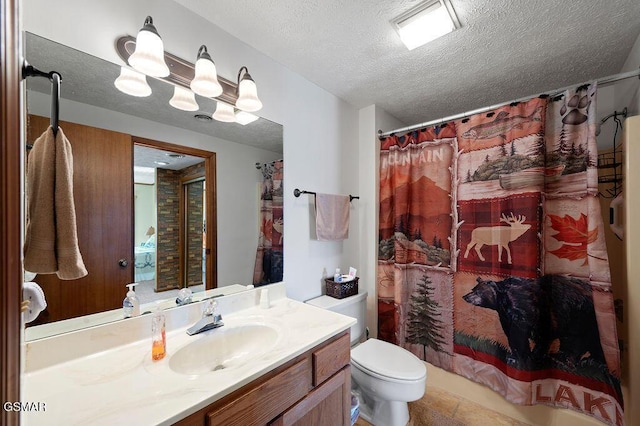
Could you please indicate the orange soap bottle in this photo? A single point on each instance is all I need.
(158, 336)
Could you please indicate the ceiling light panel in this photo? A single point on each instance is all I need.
(426, 22)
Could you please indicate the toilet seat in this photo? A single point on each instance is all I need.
(387, 361)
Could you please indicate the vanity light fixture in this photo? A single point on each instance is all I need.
(132, 83)
(183, 99)
(224, 112)
(205, 82)
(426, 22)
(189, 79)
(247, 92)
(244, 118)
(148, 57)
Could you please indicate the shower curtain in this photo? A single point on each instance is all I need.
(492, 261)
(269, 256)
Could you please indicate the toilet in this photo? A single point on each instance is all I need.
(384, 376)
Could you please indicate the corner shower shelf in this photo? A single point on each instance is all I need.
(608, 160)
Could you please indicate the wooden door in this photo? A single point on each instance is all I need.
(103, 193)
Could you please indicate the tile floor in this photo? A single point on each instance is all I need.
(441, 408)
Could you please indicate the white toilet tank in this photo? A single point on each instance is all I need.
(354, 306)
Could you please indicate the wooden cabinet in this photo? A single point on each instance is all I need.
(312, 389)
(327, 404)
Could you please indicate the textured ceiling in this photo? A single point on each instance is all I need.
(89, 80)
(505, 49)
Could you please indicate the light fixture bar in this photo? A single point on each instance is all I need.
(182, 71)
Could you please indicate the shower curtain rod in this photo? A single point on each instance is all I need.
(601, 82)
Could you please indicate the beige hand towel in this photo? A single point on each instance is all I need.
(332, 217)
(51, 241)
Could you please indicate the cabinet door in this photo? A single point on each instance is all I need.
(103, 195)
(327, 405)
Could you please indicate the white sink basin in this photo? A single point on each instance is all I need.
(222, 348)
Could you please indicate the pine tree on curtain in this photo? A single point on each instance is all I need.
(499, 214)
(269, 256)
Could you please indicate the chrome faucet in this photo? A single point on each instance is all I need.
(184, 296)
(209, 320)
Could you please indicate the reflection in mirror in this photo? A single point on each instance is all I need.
(169, 223)
(90, 99)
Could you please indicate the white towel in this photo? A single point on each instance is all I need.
(37, 302)
(332, 217)
(29, 276)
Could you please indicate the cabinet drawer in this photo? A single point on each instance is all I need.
(267, 400)
(328, 404)
(331, 358)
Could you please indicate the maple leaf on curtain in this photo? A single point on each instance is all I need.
(575, 236)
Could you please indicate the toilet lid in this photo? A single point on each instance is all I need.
(388, 360)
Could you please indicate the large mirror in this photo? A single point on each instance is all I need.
(194, 190)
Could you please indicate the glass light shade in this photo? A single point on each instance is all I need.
(425, 26)
(224, 112)
(183, 99)
(148, 58)
(205, 83)
(244, 118)
(132, 83)
(248, 96)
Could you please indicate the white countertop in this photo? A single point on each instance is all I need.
(92, 320)
(123, 386)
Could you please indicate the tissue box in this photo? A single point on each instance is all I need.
(341, 290)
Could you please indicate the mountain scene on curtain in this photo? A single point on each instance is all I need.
(413, 236)
(415, 222)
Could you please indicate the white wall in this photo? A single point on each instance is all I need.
(627, 93)
(320, 130)
(371, 119)
(236, 174)
(320, 154)
(145, 211)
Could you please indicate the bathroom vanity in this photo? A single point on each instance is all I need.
(314, 388)
(285, 365)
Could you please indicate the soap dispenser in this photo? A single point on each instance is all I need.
(158, 335)
(131, 303)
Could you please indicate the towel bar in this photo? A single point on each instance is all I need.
(55, 78)
(297, 193)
